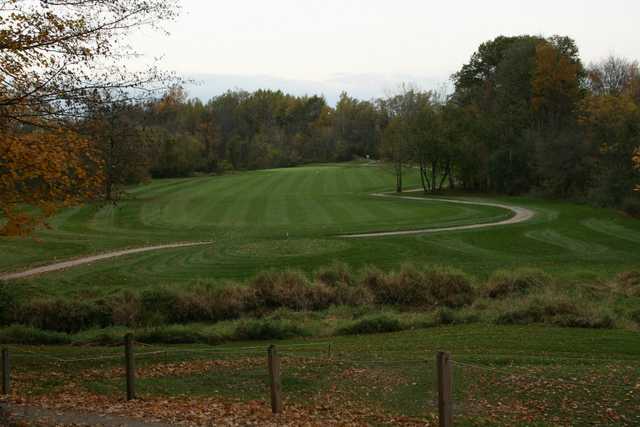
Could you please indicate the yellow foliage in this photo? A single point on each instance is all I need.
(41, 172)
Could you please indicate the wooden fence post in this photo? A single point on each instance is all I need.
(275, 381)
(445, 399)
(130, 367)
(5, 372)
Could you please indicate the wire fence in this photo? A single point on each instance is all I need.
(328, 380)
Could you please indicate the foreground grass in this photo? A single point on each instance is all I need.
(288, 219)
(513, 375)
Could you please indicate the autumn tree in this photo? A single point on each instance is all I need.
(612, 125)
(54, 56)
(563, 156)
(45, 179)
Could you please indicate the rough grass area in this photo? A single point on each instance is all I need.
(333, 301)
(503, 375)
(289, 218)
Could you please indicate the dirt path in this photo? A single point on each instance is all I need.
(87, 260)
(521, 215)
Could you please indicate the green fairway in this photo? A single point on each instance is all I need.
(290, 218)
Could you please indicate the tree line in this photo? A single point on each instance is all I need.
(526, 116)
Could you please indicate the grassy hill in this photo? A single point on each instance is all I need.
(290, 218)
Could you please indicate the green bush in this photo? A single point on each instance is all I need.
(504, 283)
(25, 335)
(268, 330)
(372, 325)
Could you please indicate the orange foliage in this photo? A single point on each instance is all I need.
(555, 80)
(41, 172)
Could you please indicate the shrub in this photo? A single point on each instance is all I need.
(268, 330)
(449, 288)
(64, 316)
(519, 282)
(336, 274)
(414, 288)
(281, 289)
(125, 309)
(231, 302)
(158, 305)
(290, 289)
(24, 335)
(373, 278)
(403, 288)
(635, 316)
(559, 312)
(629, 282)
(8, 304)
(353, 296)
(202, 304)
(372, 325)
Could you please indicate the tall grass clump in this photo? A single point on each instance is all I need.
(628, 283)
(412, 287)
(290, 289)
(60, 315)
(556, 310)
(503, 283)
(9, 304)
(335, 274)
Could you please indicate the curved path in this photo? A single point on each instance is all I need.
(87, 260)
(521, 215)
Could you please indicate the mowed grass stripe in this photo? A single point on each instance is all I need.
(250, 214)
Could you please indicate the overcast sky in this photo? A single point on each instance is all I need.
(368, 47)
